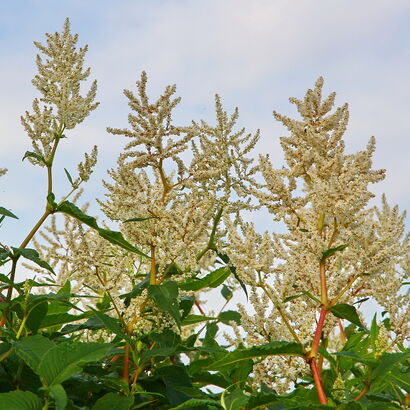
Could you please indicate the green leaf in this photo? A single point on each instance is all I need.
(226, 292)
(269, 349)
(113, 401)
(235, 400)
(105, 302)
(66, 359)
(32, 349)
(69, 177)
(212, 280)
(4, 254)
(330, 252)
(138, 219)
(32, 255)
(165, 296)
(176, 380)
(262, 400)
(30, 154)
(387, 361)
(113, 237)
(51, 202)
(192, 403)
(92, 324)
(58, 319)
(228, 316)
(304, 293)
(36, 316)
(112, 324)
(357, 357)
(6, 212)
(225, 258)
(136, 290)
(59, 395)
(20, 400)
(192, 319)
(348, 312)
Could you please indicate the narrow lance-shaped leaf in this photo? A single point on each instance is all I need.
(329, 252)
(32, 255)
(225, 258)
(212, 280)
(269, 349)
(139, 219)
(30, 154)
(6, 212)
(114, 237)
(70, 179)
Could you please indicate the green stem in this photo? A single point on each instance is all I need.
(6, 354)
(282, 315)
(211, 242)
(22, 325)
(50, 165)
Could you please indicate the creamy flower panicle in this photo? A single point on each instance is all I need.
(322, 197)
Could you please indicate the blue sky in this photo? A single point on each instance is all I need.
(255, 54)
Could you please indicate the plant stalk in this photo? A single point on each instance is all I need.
(318, 382)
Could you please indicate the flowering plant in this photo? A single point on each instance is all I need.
(118, 318)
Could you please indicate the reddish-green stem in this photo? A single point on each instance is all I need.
(318, 382)
(126, 364)
(318, 333)
(363, 392)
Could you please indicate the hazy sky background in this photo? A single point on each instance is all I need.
(255, 54)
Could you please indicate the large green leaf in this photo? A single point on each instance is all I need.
(58, 319)
(32, 349)
(113, 401)
(6, 212)
(273, 348)
(212, 280)
(348, 312)
(165, 296)
(114, 237)
(192, 319)
(67, 359)
(20, 400)
(33, 256)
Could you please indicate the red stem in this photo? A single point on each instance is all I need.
(125, 369)
(318, 382)
(318, 333)
(199, 308)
